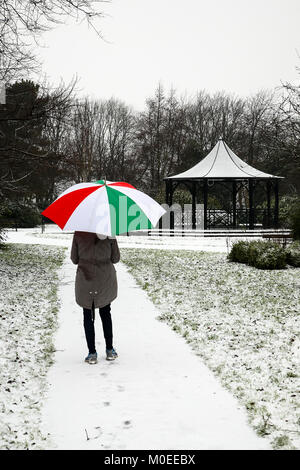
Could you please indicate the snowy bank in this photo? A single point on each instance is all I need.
(28, 311)
(242, 321)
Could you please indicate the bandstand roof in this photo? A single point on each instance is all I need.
(222, 162)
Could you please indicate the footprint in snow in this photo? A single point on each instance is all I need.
(95, 433)
(127, 424)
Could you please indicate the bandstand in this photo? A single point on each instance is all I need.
(223, 168)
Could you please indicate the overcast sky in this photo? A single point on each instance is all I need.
(239, 46)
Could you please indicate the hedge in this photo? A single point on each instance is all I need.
(260, 254)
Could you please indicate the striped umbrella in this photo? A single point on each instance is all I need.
(105, 207)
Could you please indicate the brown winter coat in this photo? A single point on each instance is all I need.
(96, 279)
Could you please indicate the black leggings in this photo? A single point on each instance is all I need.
(88, 323)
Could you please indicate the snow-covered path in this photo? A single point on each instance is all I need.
(157, 395)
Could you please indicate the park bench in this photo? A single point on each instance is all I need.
(281, 238)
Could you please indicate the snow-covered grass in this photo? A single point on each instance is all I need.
(55, 236)
(242, 321)
(28, 310)
(198, 243)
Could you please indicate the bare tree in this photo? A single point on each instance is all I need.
(100, 140)
(290, 107)
(118, 126)
(258, 113)
(152, 137)
(290, 110)
(82, 140)
(23, 21)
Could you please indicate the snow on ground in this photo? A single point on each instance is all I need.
(157, 395)
(242, 321)
(53, 233)
(28, 309)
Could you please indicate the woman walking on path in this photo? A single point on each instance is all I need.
(96, 285)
